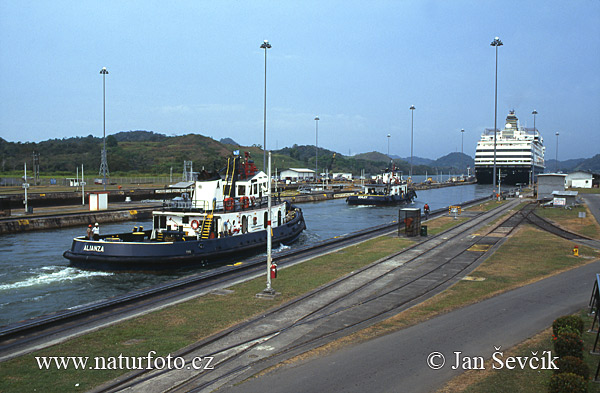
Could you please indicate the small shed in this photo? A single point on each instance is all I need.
(564, 198)
(579, 179)
(98, 200)
(548, 182)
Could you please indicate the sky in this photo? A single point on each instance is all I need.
(184, 67)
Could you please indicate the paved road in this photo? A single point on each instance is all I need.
(397, 362)
(593, 203)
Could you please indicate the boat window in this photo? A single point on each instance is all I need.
(185, 219)
(266, 219)
(241, 190)
(162, 223)
(255, 191)
(244, 224)
(279, 218)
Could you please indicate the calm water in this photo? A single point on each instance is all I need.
(35, 279)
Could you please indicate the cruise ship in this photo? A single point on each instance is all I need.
(519, 150)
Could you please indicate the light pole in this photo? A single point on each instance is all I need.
(533, 152)
(388, 145)
(412, 112)
(104, 162)
(496, 43)
(556, 166)
(462, 140)
(316, 147)
(265, 45)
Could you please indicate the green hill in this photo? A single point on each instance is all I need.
(146, 152)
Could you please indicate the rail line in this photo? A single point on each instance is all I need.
(15, 337)
(548, 226)
(333, 307)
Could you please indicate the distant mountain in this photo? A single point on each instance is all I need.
(590, 165)
(459, 161)
(564, 166)
(372, 156)
(229, 141)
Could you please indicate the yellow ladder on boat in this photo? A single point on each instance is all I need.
(206, 224)
(229, 176)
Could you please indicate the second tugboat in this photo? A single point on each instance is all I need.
(388, 189)
(221, 218)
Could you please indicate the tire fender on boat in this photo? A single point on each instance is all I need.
(244, 201)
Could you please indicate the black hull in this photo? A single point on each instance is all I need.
(381, 200)
(511, 175)
(160, 256)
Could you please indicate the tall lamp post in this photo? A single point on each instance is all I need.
(104, 162)
(316, 147)
(496, 43)
(556, 166)
(265, 45)
(412, 112)
(462, 142)
(388, 136)
(533, 152)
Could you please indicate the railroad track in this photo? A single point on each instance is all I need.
(21, 337)
(372, 293)
(548, 226)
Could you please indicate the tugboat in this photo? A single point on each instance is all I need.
(389, 189)
(219, 218)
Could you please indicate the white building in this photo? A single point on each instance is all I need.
(295, 174)
(579, 179)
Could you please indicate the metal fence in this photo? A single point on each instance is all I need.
(62, 181)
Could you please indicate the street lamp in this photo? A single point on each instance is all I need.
(533, 152)
(556, 166)
(388, 145)
(496, 43)
(412, 111)
(462, 140)
(265, 45)
(104, 162)
(316, 147)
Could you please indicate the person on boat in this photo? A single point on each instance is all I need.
(96, 231)
(226, 228)
(89, 232)
(426, 211)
